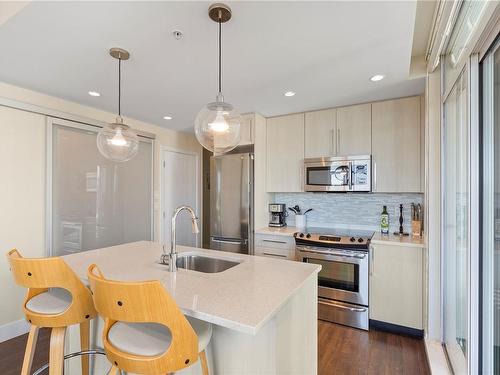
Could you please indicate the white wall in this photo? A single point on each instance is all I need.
(22, 184)
(22, 198)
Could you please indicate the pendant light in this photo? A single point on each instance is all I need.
(117, 141)
(217, 125)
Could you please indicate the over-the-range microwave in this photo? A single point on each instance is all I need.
(338, 174)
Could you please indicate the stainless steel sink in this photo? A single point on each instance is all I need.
(204, 264)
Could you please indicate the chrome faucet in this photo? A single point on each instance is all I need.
(171, 258)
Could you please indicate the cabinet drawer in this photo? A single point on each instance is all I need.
(278, 242)
(275, 252)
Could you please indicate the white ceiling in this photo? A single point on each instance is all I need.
(325, 51)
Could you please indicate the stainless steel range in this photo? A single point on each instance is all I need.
(343, 279)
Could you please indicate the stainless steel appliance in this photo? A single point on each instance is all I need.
(343, 279)
(277, 215)
(338, 174)
(231, 199)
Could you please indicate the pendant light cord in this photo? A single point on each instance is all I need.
(119, 87)
(220, 54)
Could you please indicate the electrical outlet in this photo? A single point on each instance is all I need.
(396, 211)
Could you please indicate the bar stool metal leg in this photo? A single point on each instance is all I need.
(83, 353)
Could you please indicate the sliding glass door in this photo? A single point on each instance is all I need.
(491, 212)
(94, 202)
(456, 232)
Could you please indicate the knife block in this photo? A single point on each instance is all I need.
(416, 228)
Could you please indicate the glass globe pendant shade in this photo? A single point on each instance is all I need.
(117, 142)
(217, 127)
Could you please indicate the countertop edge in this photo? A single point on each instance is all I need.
(378, 239)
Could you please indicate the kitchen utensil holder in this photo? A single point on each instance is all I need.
(416, 228)
(300, 221)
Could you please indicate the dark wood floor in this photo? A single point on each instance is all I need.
(342, 350)
(12, 353)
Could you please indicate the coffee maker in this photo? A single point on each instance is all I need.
(277, 215)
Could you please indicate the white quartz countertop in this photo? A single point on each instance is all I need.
(391, 239)
(278, 231)
(242, 298)
(378, 237)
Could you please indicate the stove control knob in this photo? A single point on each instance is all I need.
(301, 235)
(308, 235)
(352, 239)
(360, 240)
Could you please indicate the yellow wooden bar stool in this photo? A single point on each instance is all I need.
(56, 298)
(145, 332)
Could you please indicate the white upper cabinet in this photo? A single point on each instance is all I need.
(338, 131)
(247, 129)
(354, 130)
(319, 133)
(396, 145)
(285, 153)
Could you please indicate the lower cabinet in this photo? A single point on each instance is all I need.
(396, 285)
(279, 247)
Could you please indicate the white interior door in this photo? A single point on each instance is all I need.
(180, 187)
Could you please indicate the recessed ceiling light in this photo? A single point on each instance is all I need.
(94, 93)
(377, 77)
(167, 117)
(290, 93)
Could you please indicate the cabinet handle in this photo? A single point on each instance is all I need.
(374, 176)
(274, 241)
(333, 143)
(275, 255)
(371, 249)
(338, 142)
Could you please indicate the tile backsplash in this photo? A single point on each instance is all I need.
(357, 211)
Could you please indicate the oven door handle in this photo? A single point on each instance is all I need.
(353, 309)
(357, 256)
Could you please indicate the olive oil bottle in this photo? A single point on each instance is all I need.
(384, 221)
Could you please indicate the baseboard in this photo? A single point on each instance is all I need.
(394, 328)
(13, 329)
(436, 358)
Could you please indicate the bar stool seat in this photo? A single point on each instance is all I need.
(56, 298)
(54, 301)
(153, 339)
(145, 332)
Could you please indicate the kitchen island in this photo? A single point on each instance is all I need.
(264, 311)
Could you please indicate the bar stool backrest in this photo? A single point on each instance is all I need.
(40, 274)
(143, 302)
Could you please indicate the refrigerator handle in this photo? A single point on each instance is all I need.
(231, 242)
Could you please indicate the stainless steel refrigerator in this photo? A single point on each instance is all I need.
(231, 202)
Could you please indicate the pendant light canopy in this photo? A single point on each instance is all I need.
(217, 125)
(117, 141)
